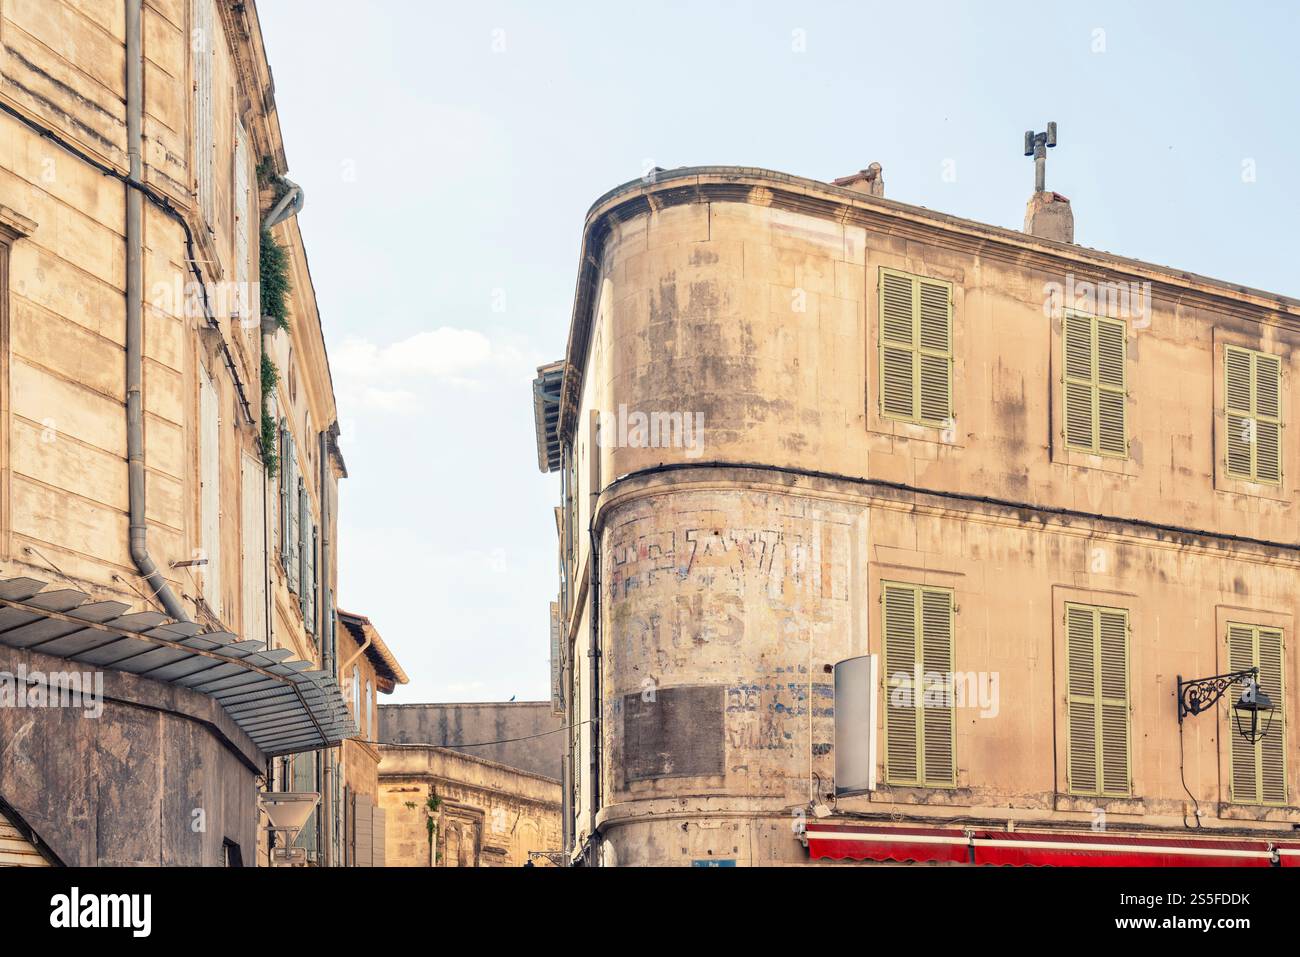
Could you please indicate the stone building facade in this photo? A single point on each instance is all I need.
(167, 449)
(444, 808)
(798, 423)
(367, 669)
(526, 735)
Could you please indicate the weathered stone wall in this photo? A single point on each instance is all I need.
(488, 815)
(161, 777)
(529, 734)
(752, 593)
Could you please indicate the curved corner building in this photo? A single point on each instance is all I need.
(799, 423)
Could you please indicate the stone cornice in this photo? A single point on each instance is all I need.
(14, 225)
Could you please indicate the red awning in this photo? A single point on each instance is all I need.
(1019, 848)
(851, 842)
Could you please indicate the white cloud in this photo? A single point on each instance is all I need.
(447, 354)
(385, 378)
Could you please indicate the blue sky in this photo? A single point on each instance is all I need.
(450, 151)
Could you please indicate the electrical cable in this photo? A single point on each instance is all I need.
(1183, 775)
(477, 744)
(164, 204)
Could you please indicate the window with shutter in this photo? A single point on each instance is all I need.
(203, 23)
(282, 533)
(1094, 384)
(915, 348)
(1097, 700)
(1258, 770)
(304, 548)
(304, 780)
(920, 719)
(243, 226)
(1253, 414)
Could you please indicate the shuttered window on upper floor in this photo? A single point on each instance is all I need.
(1094, 384)
(920, 718)
(1253, 414)
(1258, 769)
(1097, 700)
(203, 25)
(915, 348)
(290, 482)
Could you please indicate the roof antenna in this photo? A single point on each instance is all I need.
(1036, 145)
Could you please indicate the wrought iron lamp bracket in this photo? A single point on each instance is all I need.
(1201, 694)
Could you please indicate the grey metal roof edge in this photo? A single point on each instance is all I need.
(45, 620)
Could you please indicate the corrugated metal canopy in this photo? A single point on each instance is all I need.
(282, 704)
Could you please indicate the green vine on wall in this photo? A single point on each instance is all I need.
(431, 824)
(274, 280)
(269, 439)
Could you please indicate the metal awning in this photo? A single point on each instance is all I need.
(546, 414)
(282, 704)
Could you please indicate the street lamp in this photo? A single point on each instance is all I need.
(1199, 694)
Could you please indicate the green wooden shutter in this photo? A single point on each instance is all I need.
(1272, 749)
(1097, 700)
(304, 547)
(294, 565)
(312, 590)
(939, 712)
(1258, 770)
(1244, 777)
(902, 735)
(1112, 674)
(304, 780)
(920, 719)
(286, 492)
(1112, 434)
(1253, 414)
(915, 348)
(1081, 700)
(934, 359)
(1095, 384)
(897, 346)
(1239, 408)
(1080, 418)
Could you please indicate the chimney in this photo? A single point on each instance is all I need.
(870, 181)
(1048, 214)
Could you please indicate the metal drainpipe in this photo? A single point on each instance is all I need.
(323, 603)
(139, 529)
(597, 705)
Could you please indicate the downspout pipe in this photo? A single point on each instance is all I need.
(324, 615)
(139, 529)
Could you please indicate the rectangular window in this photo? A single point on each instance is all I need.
(202, 51)
(253, 544)
(920, 728)
(915, 348)
(305, 779)
(1258, 769)
(1253, 414)
(1095, 384)
(210, 490)
(243, 228)
(1097, 700)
